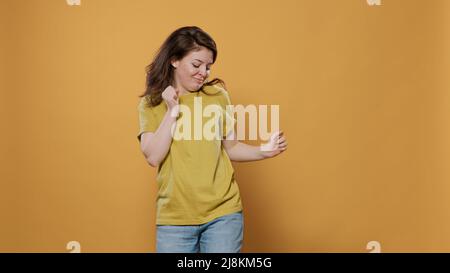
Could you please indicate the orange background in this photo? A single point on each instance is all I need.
(364, 101)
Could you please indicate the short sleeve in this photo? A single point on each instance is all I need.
(147, 118)
(229, 121)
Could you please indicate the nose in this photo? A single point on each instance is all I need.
(202, 72)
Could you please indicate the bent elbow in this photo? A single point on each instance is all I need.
(152, 162)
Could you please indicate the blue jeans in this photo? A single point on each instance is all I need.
(221, 235)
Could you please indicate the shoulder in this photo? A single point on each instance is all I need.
(144, 102)
(219, 91)
(145, 106)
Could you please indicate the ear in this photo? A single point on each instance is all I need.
(175, 64)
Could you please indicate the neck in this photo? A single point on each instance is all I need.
(180, 88)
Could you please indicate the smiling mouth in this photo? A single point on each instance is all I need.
(200, 81)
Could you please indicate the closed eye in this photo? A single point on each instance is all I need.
(197, 66)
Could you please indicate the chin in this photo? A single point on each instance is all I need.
(197, 87)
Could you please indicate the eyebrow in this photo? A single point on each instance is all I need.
(201, 61)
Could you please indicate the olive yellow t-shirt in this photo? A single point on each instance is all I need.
(196, 182)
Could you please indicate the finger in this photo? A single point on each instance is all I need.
(274, 136)
(280, 136)
(283, 145)
(277, 134)
(281, 139)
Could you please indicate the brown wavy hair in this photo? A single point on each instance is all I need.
(175, 47)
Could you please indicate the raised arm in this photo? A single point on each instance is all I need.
(241, 152)
(155, 145)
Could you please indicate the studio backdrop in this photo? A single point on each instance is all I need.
(363, 90)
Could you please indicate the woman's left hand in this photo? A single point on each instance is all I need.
(276, 145)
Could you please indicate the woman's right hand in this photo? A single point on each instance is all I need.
(170, 96)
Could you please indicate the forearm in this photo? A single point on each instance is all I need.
(244, 152)
(158, 147)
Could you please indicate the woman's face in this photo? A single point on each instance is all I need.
(193, 70)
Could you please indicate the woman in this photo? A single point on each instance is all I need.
(199, 208)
